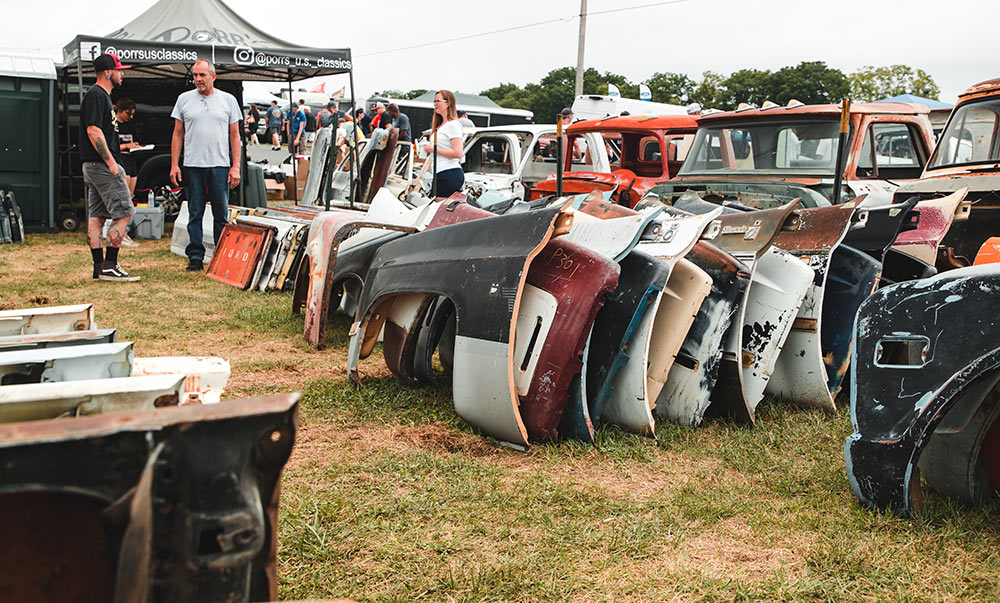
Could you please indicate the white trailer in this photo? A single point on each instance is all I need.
(596, 106)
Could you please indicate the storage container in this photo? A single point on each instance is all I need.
(148, 222)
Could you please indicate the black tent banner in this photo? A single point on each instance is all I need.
(166, 39)
(173, 59)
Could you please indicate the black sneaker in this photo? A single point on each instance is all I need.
(114, 272)
(195, 266)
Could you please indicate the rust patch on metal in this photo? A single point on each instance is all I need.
(805, 325)
(54, 547)
(238, 254)
(314, 282)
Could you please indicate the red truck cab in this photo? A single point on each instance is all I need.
(642, 150)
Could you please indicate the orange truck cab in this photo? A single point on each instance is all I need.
(642, 150)
(765, 157)
(967, 156)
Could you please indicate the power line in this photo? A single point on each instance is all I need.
(469, 37)
(517, 27)
(619, 10)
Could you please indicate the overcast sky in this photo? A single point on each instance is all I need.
(953, 41)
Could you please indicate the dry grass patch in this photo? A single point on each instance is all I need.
(730, 548)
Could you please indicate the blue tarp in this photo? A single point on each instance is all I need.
(912, 98)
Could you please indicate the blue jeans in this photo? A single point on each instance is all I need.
(205, 184)
(449, 181)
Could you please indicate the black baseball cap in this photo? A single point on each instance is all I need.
(566, 112)
(108, 61)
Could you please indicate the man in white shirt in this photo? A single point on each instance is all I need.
(206, 127)
(463, 118)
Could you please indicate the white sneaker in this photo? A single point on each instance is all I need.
(128, 242)
(114, 272)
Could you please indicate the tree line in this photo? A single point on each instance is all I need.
(811, 82)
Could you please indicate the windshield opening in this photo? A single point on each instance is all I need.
(971, 136)
(764, 148)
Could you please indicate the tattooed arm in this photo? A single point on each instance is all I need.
(96, 136)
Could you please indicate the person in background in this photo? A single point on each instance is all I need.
(400, 121)
(379, 121)
(344, 131)
(327, 116)
(104, 178)
(295, 128)
(124, 112)
(463, 118)
(445, 125)
(566, 116)
(310, 126)
(207, 128)
(274, 120)
(364, 120)
(253, 120)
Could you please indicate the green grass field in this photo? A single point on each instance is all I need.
(389, 496)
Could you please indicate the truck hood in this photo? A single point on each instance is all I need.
(976, 182)
(748, 191)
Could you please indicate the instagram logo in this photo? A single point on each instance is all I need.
(243, 55)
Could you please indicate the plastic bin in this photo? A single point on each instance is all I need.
(148, 222)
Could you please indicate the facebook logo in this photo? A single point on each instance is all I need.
(90, 50)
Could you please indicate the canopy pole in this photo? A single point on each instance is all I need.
(291, 143)
(434, 180)
(559, 154)
(353, 147)
(244, 168)
(69, 159)
(79, 95)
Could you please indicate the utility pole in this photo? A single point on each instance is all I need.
(578, 89)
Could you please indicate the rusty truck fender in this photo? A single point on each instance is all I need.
(314, 283)
(799, 375)
(685, 395)
(482, 269)
(768, 306)
(936, 217)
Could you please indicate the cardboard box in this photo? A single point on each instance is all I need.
(302, 169)
(274, 189)
(301, 175)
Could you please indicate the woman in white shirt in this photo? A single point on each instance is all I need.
(449, 174)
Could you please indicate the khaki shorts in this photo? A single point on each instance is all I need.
(107, 194)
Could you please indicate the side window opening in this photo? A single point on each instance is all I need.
(889, 151)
